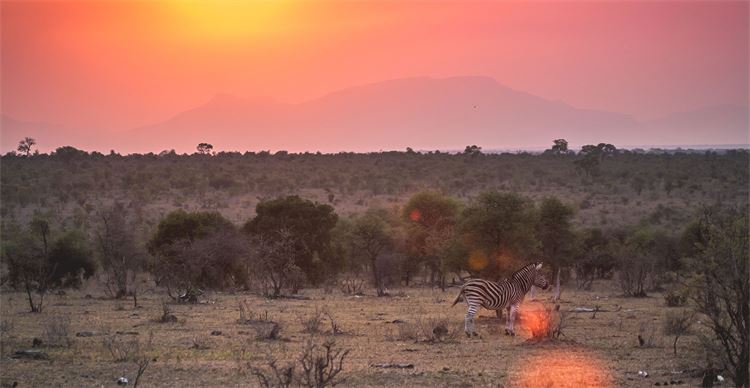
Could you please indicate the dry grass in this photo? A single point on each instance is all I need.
(601, 351)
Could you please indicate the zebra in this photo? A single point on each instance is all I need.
(506, 294)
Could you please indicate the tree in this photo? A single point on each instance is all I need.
(473, 150)
(431, 218)
(637, 262)
(187, 248)
(559, 147)
(370, 238)
(68, 153)
(310, 225)
(721, 287)
(119, 253)
(37, 262)
(273, 261)
(204, 148)
(677, 324)
(558, 241)
(502, 227)
(592, 156)
(24, 146)
(595, 257)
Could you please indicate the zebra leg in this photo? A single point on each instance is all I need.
(512, 319)
(508, 318)
(469, 321)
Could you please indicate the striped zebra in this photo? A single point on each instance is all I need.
(506, 294)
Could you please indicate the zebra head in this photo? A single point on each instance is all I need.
(531, 275)
(539, 280)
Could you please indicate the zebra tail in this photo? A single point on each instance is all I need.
(458, 297)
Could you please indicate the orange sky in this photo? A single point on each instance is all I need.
(116, 65)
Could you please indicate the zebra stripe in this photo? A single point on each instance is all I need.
(506, 294)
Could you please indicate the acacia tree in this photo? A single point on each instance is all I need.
(310, 226)
(25, 145)
(721, 287)
(204, 148)
(636, 261)
(595, 257)
(370, 238)
(559, 147)
(502, 227)
(558, 241)
(272, 261)
(431, 218)
(119, 253)
(38, 262)
(186, 246)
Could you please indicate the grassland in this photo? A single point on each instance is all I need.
(600, 351)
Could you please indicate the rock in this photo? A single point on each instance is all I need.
(397, 321)
(122, 381)
(36, 342)
(392, 365)
(439, 331)
(87, 334)
(33, 354)
(216, 332)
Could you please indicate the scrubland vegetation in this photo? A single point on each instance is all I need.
(310, 269)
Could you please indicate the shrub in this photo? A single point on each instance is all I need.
(311, 324)
(675, 298)
(121, 350)
(677, 324)
(57, 332)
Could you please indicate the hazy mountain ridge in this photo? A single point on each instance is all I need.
(420, 112)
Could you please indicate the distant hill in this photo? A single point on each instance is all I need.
(721, 124)
(420, 112)
(48, 136)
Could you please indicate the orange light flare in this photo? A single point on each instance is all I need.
(537, 320)
(415, 215)
(551, 363)
(478, 260)
(560, 367)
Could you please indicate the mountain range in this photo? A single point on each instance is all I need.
(420, 112)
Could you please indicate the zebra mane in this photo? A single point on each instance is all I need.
(523, 270)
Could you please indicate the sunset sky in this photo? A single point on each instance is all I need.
(117, 65)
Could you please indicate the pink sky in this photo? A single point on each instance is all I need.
(116, 65)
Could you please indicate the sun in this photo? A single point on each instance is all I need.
(232, 19)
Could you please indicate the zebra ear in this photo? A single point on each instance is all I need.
(539, 265)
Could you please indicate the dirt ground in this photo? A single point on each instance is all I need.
(600, 351)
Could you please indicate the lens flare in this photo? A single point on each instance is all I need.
(478, 260)
(554, 363)
(571, 367)
(537, 320)
(415, 215)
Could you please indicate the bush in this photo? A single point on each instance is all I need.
(721, 287)
(675, 298)
(677, 324)
(57, 332)
(320, 365)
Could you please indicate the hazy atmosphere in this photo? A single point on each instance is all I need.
(322, 193)
(324, 75)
